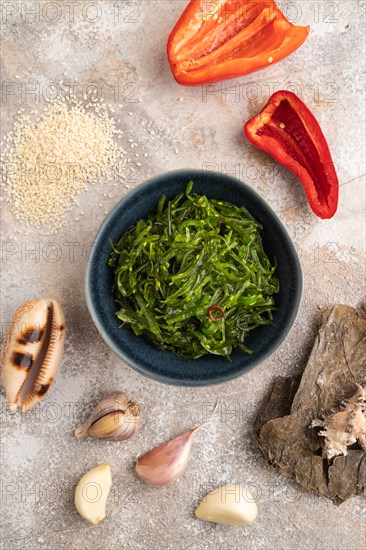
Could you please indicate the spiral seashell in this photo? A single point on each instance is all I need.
(31, 352)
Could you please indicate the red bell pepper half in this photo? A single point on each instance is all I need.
(218, 39)
(288, 131)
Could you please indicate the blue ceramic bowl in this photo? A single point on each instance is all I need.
(164, 366)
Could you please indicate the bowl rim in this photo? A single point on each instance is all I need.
(187, 382)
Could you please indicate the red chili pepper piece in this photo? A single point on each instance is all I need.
(219, 39)
(288, 131)
(211, 309)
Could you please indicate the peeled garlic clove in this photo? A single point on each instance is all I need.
(166, 463)
(92, 492)
(116, 418)
(32, 352)
(230, 504)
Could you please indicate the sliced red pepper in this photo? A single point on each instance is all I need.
(216, 316)
(288, 131)
(215, 40)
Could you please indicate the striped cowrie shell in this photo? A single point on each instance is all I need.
(31, 352)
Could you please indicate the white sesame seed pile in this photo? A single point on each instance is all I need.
(47, 163)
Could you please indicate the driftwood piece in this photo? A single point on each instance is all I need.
(336, 364)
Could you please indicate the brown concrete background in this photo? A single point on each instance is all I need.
(120, 47)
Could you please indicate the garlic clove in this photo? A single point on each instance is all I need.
(166, 463)
(92, 492)
(32, 352)
(116, 418)
(230, 504)
(114, 427)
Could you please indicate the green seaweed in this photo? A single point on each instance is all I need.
(192, 254)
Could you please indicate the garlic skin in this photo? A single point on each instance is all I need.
(32, 352)
(91, 493)
(230, 504)
(116, 418)
(166, 463)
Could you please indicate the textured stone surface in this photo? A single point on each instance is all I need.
(121, 48)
